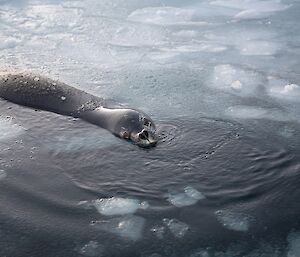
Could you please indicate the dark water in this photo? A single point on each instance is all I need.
(246, 171)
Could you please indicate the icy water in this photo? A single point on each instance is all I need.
(221, 80)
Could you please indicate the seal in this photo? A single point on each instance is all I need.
(46, 94)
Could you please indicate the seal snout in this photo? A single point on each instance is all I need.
(146, 138)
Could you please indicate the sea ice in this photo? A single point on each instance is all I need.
(293, 244)
(283, 89)
(8, 129)
(234, 221)
(118, 206)
(129, 227)
(258, 48)
(162, 15)
(236, 80)
(190, 196)
(92, 248)
(158, 231)
(177, 227)
(2, 174)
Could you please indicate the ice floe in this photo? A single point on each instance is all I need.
(283, 89)
(177, 228)
(236, 80)
(293, 244)
(252, 9)
(128, 227)
(2, 174)
(118, 206)
(189, 196)
(258, 48)
(92, 248)
(158, 231)
(9, 129)
(233, 220)
(163, 15)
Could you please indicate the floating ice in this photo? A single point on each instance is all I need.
(8, 43)
(129, 227)
(163, 15)
(252, 9)
(92, 248)
(200, 253)
(118, 206)
(258, 48)
(196, 47)
(236, 80)
(177, 227)
(8, 129)
(190, 196)
(283, 89)
(294, 244)
(233, 220)
(158, 231)
(2, 174)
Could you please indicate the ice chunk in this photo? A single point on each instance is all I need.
(258, 48)
(233, 220)
(163, 15)
(8, 129)
(200, 253)
(8, 43)
(252, 9)
(294, 244)
(129, 227)
(2, 174)
(255, 112)
(190, 196)
(177, 227)
(236, 80)
(118, 206)
(92, 248)
(283, 89)
(158, 231)
(86, 204)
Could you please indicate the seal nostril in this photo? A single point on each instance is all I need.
(146, 133)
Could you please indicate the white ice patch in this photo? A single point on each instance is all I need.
(163, 15)
(130, 227)
(255, 112)
(118, 206)
(8, 129)
(234, 221)
(294, 244)
(236, 80)
(283, 89)
(158, 231)
(190, 196)
(8, 43)
(92, 248)
(252, 9)
(258, 48)
(177, 228)
(2, 174)
(196, 47)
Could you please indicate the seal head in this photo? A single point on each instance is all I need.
(136, 127)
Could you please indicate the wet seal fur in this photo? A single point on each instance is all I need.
(45, 94)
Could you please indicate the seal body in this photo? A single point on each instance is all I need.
(49, 95)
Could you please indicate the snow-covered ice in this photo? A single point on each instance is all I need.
(234, 221)
(177, 227)
(118, 206)
(127, 227)
(293, 244)
(92, 248)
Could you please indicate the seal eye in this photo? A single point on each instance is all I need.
(125, 135)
